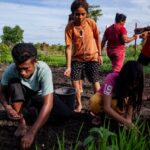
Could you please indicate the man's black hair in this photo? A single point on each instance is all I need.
(23, 51)
(120, 17)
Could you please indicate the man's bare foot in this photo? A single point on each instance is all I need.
(78, 109)
(12, 114)
(21, 131)
(22, 128)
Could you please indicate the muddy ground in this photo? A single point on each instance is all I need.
(47, 136)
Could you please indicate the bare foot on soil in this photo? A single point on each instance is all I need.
(12, 114)
(22, 128)
(21, 131)
(78, 109)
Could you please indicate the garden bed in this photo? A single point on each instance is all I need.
(47, 137)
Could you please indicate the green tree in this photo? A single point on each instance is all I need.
(95, 12)
(5, 54)
(11, 36)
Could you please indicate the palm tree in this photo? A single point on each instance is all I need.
(95, 12)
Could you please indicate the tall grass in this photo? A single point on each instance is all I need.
(57, 61)
(57, 57)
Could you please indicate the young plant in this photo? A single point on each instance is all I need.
(99, 138)
(61, 142)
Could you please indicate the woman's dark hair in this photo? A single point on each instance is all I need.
(70, 18)
(120, 17)
(130, 83)
(23, 51)
(79, 3)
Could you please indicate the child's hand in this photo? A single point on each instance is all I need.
(129, 126)
(67, 72)
(100, 60)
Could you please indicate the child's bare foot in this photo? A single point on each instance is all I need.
(78, 109)
(21, 131)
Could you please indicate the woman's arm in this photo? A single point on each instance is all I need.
(127, 39)
(103, 42)
(112, 113)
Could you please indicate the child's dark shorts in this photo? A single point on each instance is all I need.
(144, 60)
(85, 69)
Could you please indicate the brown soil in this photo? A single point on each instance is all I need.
(47, 136)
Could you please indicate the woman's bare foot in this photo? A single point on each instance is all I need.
(78, 108)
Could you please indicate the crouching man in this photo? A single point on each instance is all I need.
(28, 80)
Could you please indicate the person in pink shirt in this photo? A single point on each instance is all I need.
(121, 94)
(116, 37)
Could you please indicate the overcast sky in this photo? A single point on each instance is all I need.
(45, 20)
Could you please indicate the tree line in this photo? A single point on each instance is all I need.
(14, 35)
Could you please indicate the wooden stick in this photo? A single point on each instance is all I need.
(135, 43)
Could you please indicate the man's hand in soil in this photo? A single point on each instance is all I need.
(27, 140)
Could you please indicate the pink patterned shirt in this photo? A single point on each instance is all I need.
(109, 84)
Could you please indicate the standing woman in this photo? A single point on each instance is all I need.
(116, 37)
(83, 50)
